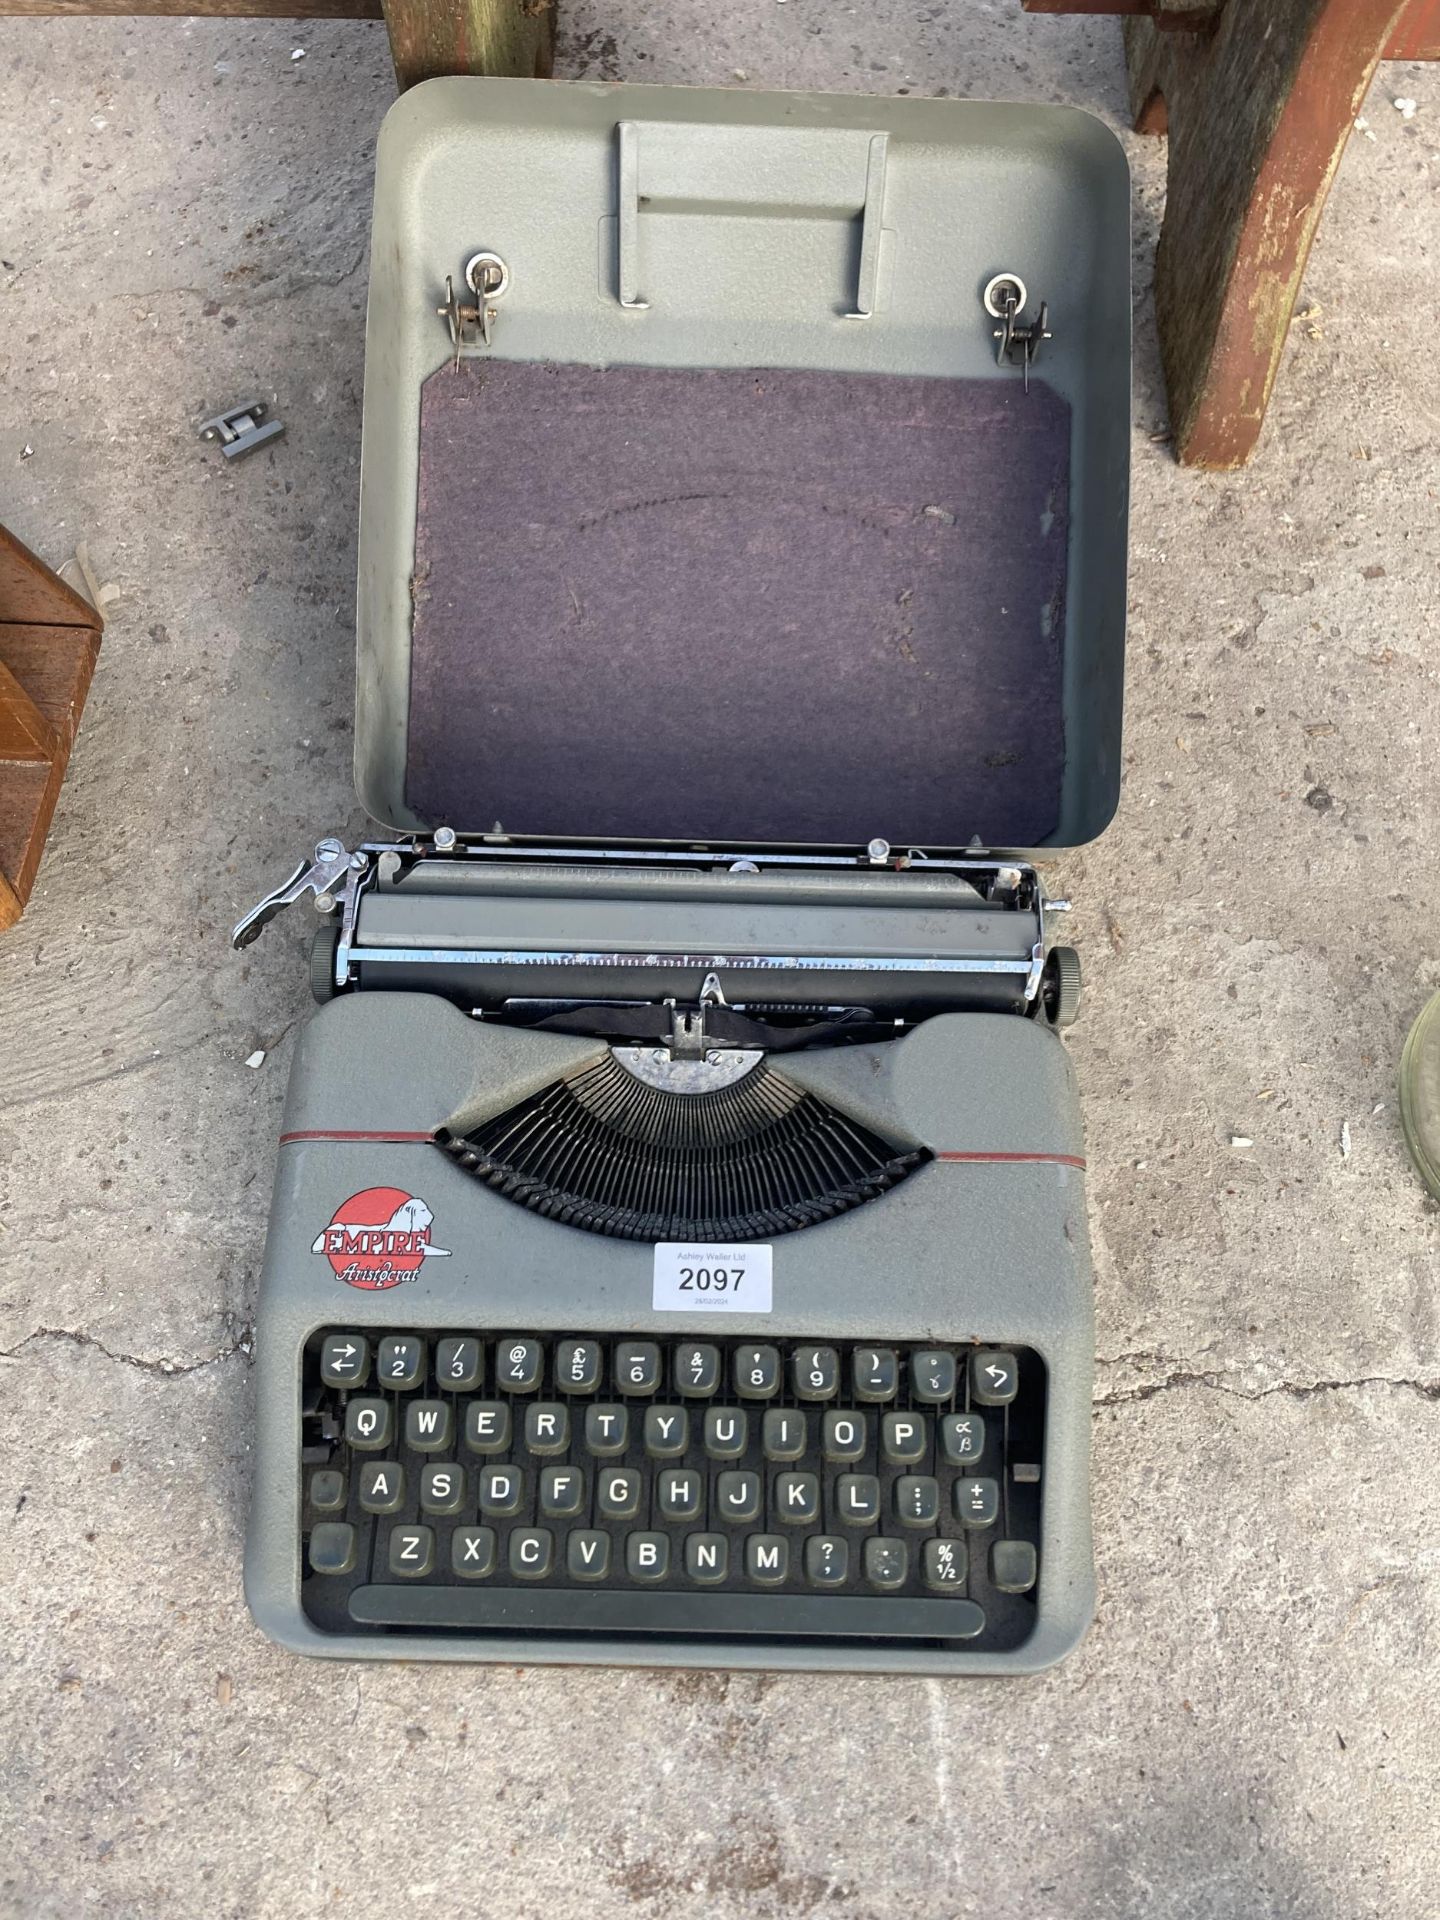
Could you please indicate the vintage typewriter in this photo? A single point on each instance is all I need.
(678, 1252)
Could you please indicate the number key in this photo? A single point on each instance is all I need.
(517, 1365)
(458, 1365)
(815, 1372)
(757, 1372)
(400, 1362)
(578, 1365)
(637, 1366)
(697, 1371)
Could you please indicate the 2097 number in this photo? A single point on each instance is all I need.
(711, 1279)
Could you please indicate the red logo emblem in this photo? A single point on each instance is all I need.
(379, 1238)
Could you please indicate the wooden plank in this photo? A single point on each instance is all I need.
(53, 664)
(203, 9)
(25, 733)
(1418, 35)
(429, 38)
(1259, 114)
(29, 591)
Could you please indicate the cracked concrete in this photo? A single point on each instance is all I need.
(1249, 1730)
(166, 1368)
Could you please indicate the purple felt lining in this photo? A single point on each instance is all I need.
(739, 605)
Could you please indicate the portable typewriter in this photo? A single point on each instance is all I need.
(678, 1252)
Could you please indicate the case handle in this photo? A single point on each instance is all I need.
(733, 170)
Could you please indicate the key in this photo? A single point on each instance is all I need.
(547, 1427)
(382, 1486)
(962, 1438)
(843, 1436)
(757, 1373)
(637, 1366)
(917, 1500)
(618, 1493)
(667, 1432)
(332, 1547)
(578, 1366)
(647, 1556)
(815, 1373)
(726, 1432)
(587, 1555)
(782, 1434)
(827, 1561)
(501, 1491)
(345, 1360)
(328, 1492)
(945, 1564)
(400, 1362)
(487, 1426)
(532, 1552)
(680, 1493)
(932, 1377)
(562, 1493)
(707, 1558)
(517, 1365)
(767, 1559)
(994, 1377)
(442, 1488)
(737, 1498)
(858, 1498)
(887, 1563)
(367, 1423)
(697, 1371)
(607, 1431)
(459, 1365)
(796, 1498)
(428, 1426)
(472, 1552)
(1012, 1566)
(977, 1502)
(904, 1439)
(876, 1373)
(412, 1552)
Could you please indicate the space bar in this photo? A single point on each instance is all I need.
(574, 1610)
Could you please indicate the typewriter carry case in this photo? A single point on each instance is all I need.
(678, 1252)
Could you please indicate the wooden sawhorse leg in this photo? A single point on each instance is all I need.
(513, 38)
(1258, 112)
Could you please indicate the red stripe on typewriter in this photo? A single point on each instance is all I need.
(341, 1133)
(1016, 1159)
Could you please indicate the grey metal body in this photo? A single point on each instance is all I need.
(988, 1249)
(734, 229)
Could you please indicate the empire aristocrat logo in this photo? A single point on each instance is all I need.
(379, 1238)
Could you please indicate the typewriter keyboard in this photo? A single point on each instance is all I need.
(459, 1483)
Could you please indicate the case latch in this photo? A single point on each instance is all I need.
(1005, 300)
(488, 278)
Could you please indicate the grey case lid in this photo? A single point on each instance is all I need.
(755, 226)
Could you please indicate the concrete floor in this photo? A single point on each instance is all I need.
(1250, 1729)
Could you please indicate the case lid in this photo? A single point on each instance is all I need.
(750, 523)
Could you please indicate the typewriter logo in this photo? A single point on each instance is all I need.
(379, 1238)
